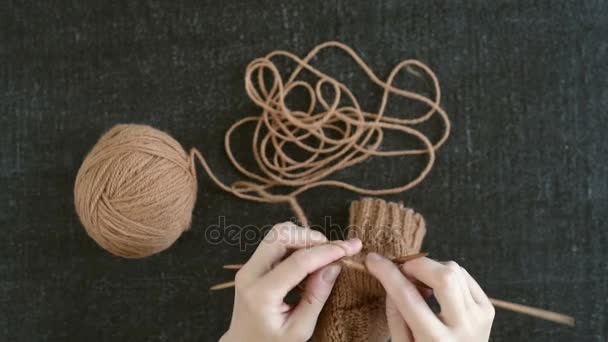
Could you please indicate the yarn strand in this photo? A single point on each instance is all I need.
(360, 132)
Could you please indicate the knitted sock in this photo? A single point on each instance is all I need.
(355, 311)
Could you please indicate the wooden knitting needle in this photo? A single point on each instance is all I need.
(534, 312)
(519, 308)
(347, 262)
(350, 263)
(522, 309)
(222, 286)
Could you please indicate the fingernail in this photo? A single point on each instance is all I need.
(374, 257)
(353, 243)
(331, 273)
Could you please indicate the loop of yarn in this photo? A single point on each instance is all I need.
(313, 131)
(136, 189)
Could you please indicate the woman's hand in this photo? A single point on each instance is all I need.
(466, 312)
(260, 313)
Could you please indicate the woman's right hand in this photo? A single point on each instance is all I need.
(288, 256)
(466, 312)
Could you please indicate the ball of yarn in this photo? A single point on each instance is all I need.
(135, 191)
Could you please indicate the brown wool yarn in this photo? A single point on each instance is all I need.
(135, 191)
(355, 311)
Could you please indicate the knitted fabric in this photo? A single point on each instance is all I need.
(355, 311)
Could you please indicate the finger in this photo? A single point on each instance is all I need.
(468, 298)
(445, 284)
(281, 238)
(477, 293)
(413, 308)
(317, 289)
(396, 324)
(291, 271)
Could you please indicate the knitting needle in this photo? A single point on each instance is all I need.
(522, 309)
(222, 286)
(534, 312)
(350, 263)
(405, 258)
(519, 308)
(233, 266)
(300, 287)
(347, 262)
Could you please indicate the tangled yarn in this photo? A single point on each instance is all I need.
(338, 135)
(136, 189)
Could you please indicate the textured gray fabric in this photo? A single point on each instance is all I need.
(519, 194)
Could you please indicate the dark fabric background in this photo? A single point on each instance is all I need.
(519, 195)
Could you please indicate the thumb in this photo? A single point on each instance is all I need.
(318, 288)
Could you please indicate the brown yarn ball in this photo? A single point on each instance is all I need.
(135, 191)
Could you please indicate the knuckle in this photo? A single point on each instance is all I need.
(245, 295)
(316, 235)
(243, 292)
(239, 279)
(447, 277)
(300, 258)
(453, 265)
(491, 312)
(288, 225)
(281, 231)
(280, 228)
